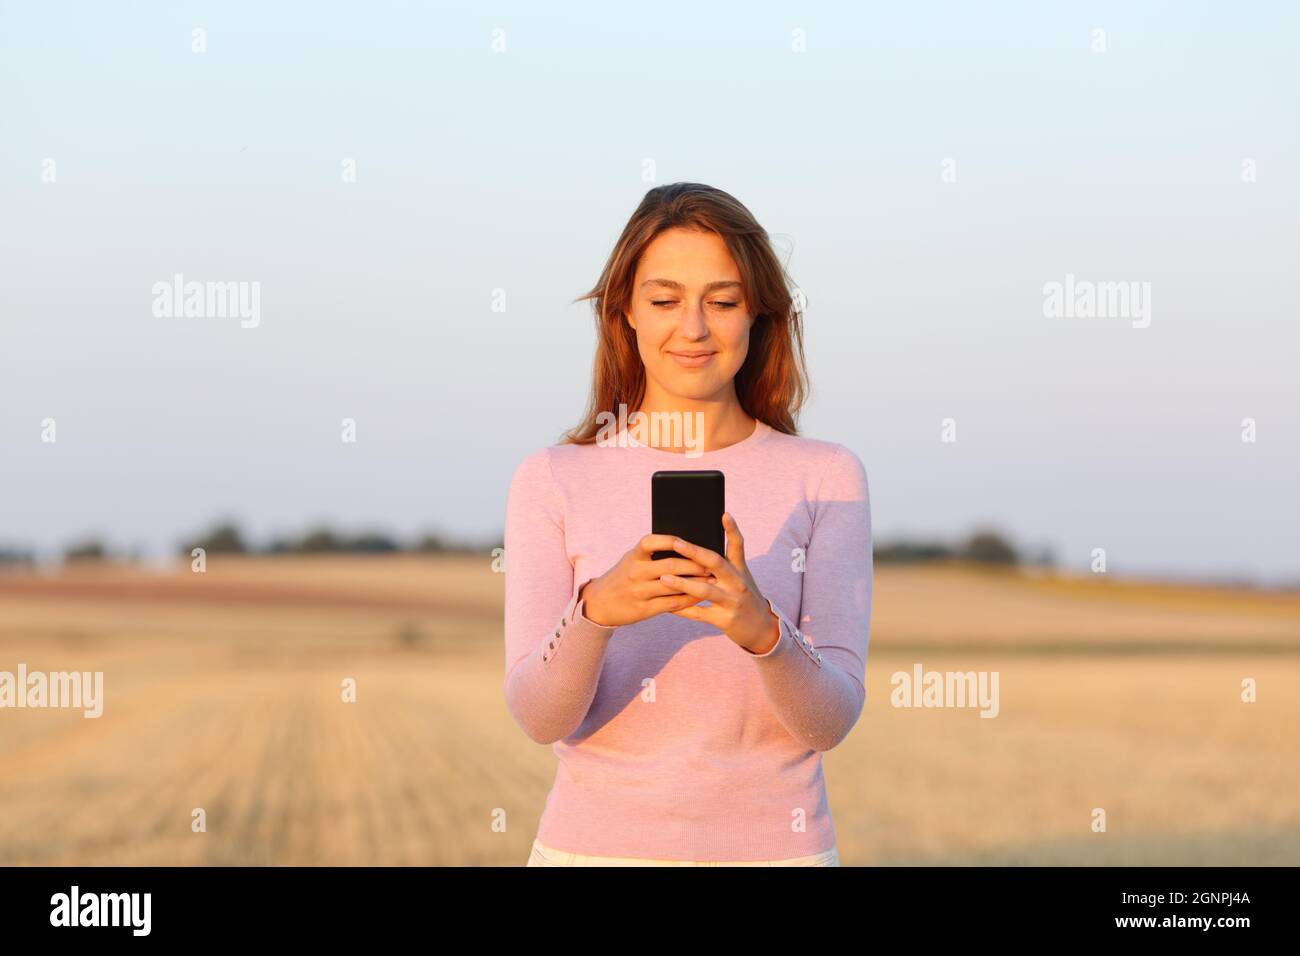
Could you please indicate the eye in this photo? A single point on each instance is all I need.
(664, 303)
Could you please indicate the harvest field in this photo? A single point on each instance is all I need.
(222, 692)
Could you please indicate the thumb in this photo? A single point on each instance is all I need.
(735, 542)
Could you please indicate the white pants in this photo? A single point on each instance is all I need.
(544, 855)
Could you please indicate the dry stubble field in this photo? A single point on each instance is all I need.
(222, 691)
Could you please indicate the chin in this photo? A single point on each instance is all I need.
(696, 390)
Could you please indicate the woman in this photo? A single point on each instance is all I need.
(687, 708)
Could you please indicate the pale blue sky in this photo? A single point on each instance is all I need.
(478, 170)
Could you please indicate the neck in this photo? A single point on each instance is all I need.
(685, 424)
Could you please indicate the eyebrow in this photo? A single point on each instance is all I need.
(669, 283)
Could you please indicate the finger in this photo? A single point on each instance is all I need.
(655, 542)
(706, 615)
(735, 542)
(697, 614)
(647, 590)
(671, 603)
(719, 566)
(700, 589)
(652, 569)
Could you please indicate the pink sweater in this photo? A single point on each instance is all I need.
(674, 742)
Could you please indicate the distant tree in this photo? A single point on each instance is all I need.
(433, 542)
(323, 540)
(319, 540)
(911, 552)
(281, 546)
(19, 556)
(989, 547)
(224, 538)
(91, 549)
(371, 542)
(1045, 557)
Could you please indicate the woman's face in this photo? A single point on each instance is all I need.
(690, 316)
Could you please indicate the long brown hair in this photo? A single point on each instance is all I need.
(772, 384)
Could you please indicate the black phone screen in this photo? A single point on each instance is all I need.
(688, 505)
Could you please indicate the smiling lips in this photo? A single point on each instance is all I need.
(692, 359)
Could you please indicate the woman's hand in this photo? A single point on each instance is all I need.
(738, 609)
(632, 590)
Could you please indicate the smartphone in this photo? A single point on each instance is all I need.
(688, 505)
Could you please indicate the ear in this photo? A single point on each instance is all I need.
(628, 317)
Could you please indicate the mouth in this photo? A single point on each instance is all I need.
(692, 359)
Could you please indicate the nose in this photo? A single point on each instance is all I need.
(693, 325)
